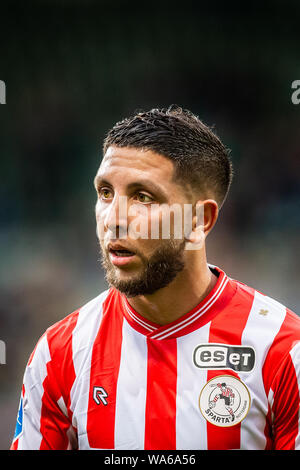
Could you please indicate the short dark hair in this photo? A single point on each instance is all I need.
(200, 158)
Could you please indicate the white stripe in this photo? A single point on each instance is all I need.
(131, 391)
(191, 426)
(83, 337)
(195, 316)
(295, 356)
(62, 405)
(259, 332)
(271, 402)
(34, 376)
(138, 320)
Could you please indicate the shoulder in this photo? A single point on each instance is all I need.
(267, 310)
(58, 340)
(81, 320)
(274, 330)
(285, 322)
(270, 324)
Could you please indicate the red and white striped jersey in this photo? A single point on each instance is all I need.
(225, 375)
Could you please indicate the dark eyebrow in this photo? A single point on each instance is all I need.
(142, 184)
(98, 180)
(147, 185)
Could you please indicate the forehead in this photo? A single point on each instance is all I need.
(130, 161)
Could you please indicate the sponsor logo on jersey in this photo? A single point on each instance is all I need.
(224, 356)
(224, 401)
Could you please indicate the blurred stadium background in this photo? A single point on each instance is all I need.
(74, 68)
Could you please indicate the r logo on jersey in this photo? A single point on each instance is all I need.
(100, 395)
(224, 401)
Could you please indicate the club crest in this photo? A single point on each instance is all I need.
(224, 401)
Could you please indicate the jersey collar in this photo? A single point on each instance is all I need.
(195, 318)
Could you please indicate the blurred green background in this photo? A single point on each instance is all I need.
(74, 68)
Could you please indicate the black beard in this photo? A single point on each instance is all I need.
(159, 271)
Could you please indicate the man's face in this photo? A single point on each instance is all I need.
(135, 189)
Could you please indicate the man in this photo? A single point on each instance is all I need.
(139, 366)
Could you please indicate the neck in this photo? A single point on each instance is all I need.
(168, 304)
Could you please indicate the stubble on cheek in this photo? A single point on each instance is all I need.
(155, 272)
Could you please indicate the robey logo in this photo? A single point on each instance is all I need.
(224, 401)
(224, 356)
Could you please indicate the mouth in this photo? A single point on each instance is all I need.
(119, 255)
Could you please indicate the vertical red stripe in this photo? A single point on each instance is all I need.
(160, 425)
(54, 425)
(105, 365)
(58, 383)
(286, 406)
(224, 438)
(284, 340)
(61, 351)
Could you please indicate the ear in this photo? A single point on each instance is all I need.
(204, 218)
(210, 214)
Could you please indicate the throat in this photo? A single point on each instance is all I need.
(172, 302)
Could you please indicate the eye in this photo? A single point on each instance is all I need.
(105, 193)
(144, 198)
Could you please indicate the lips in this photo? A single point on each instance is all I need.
(120, 255)
(120, 250)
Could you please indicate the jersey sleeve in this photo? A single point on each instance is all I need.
(42, 420)
(285, 390)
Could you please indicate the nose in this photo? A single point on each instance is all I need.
(113, 218)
